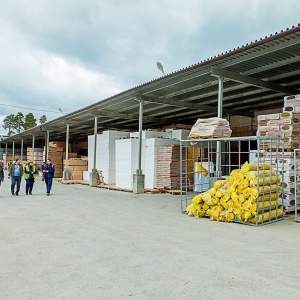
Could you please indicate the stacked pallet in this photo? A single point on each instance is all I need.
(76, 166)
(290, 185)
(210, 127)
(168, 168)
(36, 156)
(286, 126)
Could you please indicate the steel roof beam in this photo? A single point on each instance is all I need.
(253, 81)
(127, 116)
(196, 106)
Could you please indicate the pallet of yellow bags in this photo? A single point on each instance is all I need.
(249, 196)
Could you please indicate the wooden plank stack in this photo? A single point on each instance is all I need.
(56, 156)
(168, 167)
(36, 156)
(76, 167)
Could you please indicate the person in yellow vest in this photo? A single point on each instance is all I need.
(30, 172)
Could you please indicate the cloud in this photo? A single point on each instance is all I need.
(73, 53)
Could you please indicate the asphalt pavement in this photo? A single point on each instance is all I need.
(90, 243)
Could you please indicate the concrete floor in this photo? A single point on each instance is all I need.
(90, 243)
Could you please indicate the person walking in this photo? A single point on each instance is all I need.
(30, 172)
(48, 171)
(15, 173)
(1, 173)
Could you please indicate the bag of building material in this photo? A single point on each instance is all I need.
(209, 128)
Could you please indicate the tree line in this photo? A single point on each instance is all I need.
(17, 123)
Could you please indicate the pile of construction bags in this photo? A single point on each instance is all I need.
(248, 195)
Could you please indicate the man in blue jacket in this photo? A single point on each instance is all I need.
(48, 171)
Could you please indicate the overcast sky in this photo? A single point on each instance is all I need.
(70, 54)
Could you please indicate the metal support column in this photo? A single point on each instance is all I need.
(13, 151)
(138, 183)
(47, 145)
(5, 156)
(33, 148)
(22, 149)
(67, 175)
(220, 106)
(94, 173)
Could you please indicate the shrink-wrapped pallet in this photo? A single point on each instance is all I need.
(210, 127)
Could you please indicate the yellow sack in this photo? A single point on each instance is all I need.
(265, 180)
(267, 216)
(201, 169)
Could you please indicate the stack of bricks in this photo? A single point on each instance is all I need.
(76, 166)
(286, 126)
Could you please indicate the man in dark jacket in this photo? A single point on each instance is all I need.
(48, 171)
(1, 173)
(15, 172)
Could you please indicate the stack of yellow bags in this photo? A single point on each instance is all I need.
(242, 196)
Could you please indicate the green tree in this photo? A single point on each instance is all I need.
(43, 119)
(9, 124)
(30, 121)
(19, 122)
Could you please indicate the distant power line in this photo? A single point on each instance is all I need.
(57, 112)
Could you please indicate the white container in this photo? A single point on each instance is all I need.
(127, 161)
(105, 155)
(179, 134)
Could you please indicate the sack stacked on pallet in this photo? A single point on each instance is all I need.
(236, 198)
(209, 128)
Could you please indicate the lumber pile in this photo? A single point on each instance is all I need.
(36, 156)
(76, 166)
(56, 156)
(168, 167)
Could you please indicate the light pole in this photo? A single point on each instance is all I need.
(160, 67)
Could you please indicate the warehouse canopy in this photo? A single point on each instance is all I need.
(256, 77)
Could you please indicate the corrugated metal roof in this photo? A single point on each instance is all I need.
(190, 93)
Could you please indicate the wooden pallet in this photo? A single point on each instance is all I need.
(155, 191)
(100, 177)
(175, 192)
(83, 182)
(114, 188)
